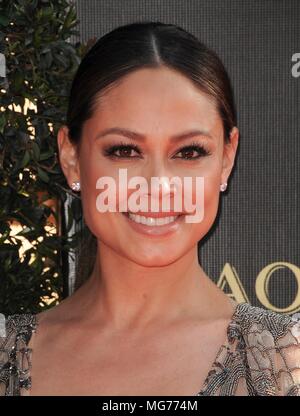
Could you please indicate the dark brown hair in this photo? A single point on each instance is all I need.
(129, 48)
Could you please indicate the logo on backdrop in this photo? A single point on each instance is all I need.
(231, 284)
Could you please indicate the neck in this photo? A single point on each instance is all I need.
(124, 294)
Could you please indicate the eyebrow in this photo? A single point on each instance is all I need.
(141, 137)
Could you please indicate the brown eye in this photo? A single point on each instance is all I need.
(125, 151)
(189, 153)
(193, 152)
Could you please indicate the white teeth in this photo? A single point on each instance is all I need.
(152, 221)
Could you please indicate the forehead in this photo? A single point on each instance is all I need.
(154, 101)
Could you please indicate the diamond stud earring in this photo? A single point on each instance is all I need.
(75, 186)
(223, 186)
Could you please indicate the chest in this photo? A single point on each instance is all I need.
(172, 363)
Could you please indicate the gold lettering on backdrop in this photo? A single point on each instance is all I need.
(230, 277)
(262, 287)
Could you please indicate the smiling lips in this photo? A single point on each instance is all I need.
(154, 219)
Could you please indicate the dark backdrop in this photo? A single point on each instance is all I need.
(252, 252)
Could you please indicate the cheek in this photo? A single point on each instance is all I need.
(211, 197)
(212, 181)
(206, 200)
(91, 169)
(104, 225)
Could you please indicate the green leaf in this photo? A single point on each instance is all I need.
(43, 175)
(18, 80)
(46, 155)
(46, 60)
(4, 20)
(2, 122)
(36, 151)
(61, 59)
(28, 40)
(25, 159)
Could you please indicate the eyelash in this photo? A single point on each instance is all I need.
(109, 151)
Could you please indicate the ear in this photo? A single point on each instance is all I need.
(68, 156)
(229, 153)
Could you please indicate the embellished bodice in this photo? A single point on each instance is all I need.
(261, 356)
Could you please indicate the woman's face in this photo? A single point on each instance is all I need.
(158, 104)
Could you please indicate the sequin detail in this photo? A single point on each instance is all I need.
(263, 358)
(15, 355)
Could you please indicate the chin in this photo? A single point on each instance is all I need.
(158, 259)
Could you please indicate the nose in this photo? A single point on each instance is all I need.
(161, 185)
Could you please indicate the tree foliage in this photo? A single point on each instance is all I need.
(40, 64)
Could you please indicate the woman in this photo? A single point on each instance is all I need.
(148, 320)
